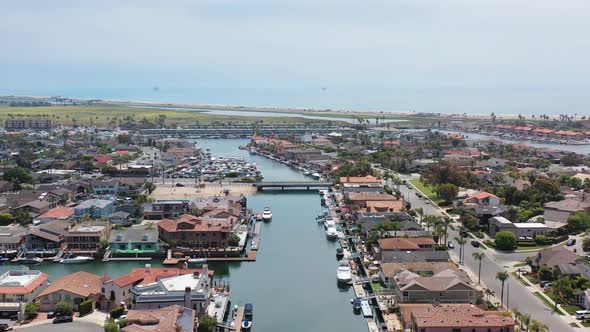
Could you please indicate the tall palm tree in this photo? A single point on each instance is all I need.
(502, 276)
(525, 321)
(537, 326)
(446, 221)
(461, 241)
(420, 211)
(478, 256)
(517, 316)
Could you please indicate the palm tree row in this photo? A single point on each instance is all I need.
(526, 323)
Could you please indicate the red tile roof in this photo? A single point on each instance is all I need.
(59, 212)
(359, 179)
(399, 243)
(457, 316)
(142, 276)
(102, 159)
(29, 288)
(189, 223)
(79, 283)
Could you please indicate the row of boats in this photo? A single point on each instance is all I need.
(67, 259)
(304, 170)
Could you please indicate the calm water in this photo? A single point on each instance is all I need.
(293, 282)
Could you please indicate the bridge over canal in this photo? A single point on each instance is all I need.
(293, 185)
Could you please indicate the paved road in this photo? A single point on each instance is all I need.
(519, 297)
(65, 327)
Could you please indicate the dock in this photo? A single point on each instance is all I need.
(372, 325)
(111, 259)
(304, 185)
(238, 318)
(256, 236)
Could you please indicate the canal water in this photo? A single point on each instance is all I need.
(292, 285)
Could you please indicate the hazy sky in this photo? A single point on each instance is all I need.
(515, 54)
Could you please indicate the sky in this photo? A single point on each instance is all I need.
(425, 55)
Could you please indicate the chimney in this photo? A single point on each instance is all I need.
(187, 297)
(148, 268)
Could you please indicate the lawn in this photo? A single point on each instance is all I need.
(519, 278)
(426, 190)
(574, 325)
(521, 264)
(103, 115)
(376, 286)
(571, 309)
(547, 303)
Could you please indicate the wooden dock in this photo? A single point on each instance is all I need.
(372, 325)
(256, 236)
(238, 318)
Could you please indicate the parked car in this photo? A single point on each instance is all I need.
(426, 201)
(51, 314)
(450, 245)
(463, 233)
(475, 243)
(63, 319)
(419, 195)
(571, 242)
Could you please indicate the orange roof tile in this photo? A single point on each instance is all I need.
(79, 283)
(59, 212)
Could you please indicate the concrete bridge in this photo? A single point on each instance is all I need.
(293, 185)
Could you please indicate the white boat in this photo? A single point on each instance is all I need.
(366, 308)
(267, 214)
(344, 274)
(73, 259)
(331, 232)
(316, 176)
(197, 260)
(30, 260)
(329, 222)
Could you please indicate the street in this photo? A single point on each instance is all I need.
(519, 296)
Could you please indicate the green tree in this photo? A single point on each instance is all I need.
(233, 240)
(18, 176)
(586, 243)
(505, 240)
(446, 191)
(478, 257)
(31, 310)
(64, 309)
(22, 216)
(545, 273)
(207, 324)
(469, 221)
(536, 326)
(5, 218)
(579, 221)
(502, 276)
(564, 289)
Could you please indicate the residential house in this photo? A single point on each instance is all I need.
(120, 218)
(552, 257)
(560, 211)
(174, 318)
(196, 232)
(74, 289)
(138, 239)
(94, 208)
(118, 290)
(85, 238)
(483, 199)
(523, 230)
(11, 238)
(57, 213)
(453, 318)
(448, 286)
(46, 238)
(414, 256)
(162, 209)
(387, 271)
(105, 187)
(188, 290)
(403, 244)
(375, 202)
(360, 181)
(18, 287)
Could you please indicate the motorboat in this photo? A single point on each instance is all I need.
(344, 274)
(316, 176)
(366, 308)
(329, 222)
(73, 259)
(266, 214)
(356, 304)
(339, 253)
(248, 314)
(331, 232)
(30, 260)
(197, 260)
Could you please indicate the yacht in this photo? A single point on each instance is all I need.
(331, 232)
(344, 275)
(316, 176)
(30, 260)
(248, 313)
(197, 260)
(267, 214)
(73, 259)
(366, 308)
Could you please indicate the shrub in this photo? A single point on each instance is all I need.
(541, 240)
(31, 310)
(64, 309)
(5, 218)
(505, 240)
(85, 307)
(207, 324)
(117, 312)
(111, 326)
(233, 240)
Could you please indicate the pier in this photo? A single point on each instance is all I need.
(304, 185)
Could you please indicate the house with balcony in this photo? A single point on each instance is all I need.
(46, 238)
(94, 208)
(196, 232)
(162, 209)
(137, 239)
(18, 287)
(447, 286)
(85, 238)
(74, 289)
(11, 238)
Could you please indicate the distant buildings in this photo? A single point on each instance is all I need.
(29, 123)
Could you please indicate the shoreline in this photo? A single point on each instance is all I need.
(292, 110)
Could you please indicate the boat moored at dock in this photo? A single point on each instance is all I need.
(267, 214)
(344, 274)
(74, 259)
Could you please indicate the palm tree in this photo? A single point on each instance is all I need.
(446, 221)
(489, 293)
(537, 326)
(525, 320)
(517, 316)
(502, 276)
(461, 241)
(478, 256)
(420, 212)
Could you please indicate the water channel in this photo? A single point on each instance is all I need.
(293, 282)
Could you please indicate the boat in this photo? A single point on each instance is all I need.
(331, 232)
(30, 260)
(73, 259)
(316, 176)
(343, 274)
(197, 260)
(366, 308)
(356, 304)
(267, 214)
(248, 313)
(339, 253)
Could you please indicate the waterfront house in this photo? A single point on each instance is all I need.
(74, 289)
(105, 187)
(375, 202)
(196, 232)
(523, 230)
(360, 181)
(46, 238)
(448, 286)
(414, 256)
(453, 318)
(57, 213)
(137, 239)
(94, 208)
(162, 209)
(403, 244)
(173, 318)
(188, 290)
(85, 238)
(11, 238)
(19, 287)
(387, 271)
(118, 290)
